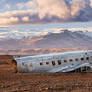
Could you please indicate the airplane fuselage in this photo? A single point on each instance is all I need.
(52, 63)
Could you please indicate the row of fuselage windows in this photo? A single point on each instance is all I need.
(60, 61)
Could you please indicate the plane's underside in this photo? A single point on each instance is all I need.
(79, 61)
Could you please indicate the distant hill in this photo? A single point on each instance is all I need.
(65, 39)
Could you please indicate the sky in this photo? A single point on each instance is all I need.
(45, 14)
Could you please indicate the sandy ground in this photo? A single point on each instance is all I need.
(31, 82)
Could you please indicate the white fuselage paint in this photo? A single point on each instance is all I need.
(43, 63)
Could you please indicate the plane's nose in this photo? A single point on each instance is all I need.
(14, 64)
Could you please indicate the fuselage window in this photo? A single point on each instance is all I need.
(85, 53)
(82, 59)
(65, 60)
(23, 63)
(53, 62)
(59, 62)
(47, 62)
(41, 63)
(76, 59)
(31, 65)
(70, 60)
(87, 58)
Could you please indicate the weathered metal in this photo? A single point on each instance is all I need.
(57, 62)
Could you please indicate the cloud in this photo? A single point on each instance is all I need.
(16, 17)
(77, 6)
(30, 4)
(56, 8)
(49, 11)
(20, 5)
(8, 20)
(8, 6)
(26, 18)
(91, 3)
(27, 4)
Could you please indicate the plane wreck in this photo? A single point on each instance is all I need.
(78, 61)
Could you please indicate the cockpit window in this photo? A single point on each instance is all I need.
(53, 62)
(41, 63)
(59, 62)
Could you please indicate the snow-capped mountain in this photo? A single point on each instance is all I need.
(65, 39)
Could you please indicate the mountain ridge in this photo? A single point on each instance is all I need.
(65, 39)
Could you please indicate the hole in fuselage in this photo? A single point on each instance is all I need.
(59, 62)
(41, 63)
(82, 69)
(53, 63)
(47, 62)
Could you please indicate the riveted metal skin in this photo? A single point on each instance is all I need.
(57, 62)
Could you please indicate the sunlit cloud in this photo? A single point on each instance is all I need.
(31, 4)
(48, 11)
(27, 4)
(8, 6)
(25, 18)
(20, 5)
